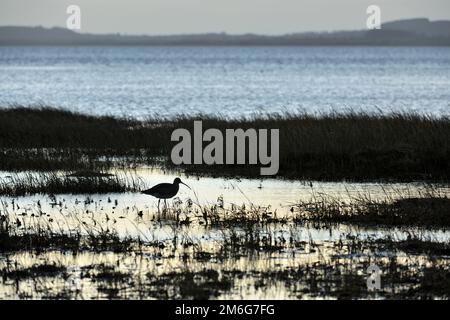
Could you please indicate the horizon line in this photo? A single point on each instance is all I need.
(216, 32)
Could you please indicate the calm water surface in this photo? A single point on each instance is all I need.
(236, 81)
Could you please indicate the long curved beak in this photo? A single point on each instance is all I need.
(185, 185)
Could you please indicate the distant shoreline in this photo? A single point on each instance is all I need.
(411, 32)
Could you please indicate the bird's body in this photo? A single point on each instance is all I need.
(165, 190)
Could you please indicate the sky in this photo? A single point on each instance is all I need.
(201, 16)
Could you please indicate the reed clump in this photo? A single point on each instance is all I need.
(58, 183)
(429, 209)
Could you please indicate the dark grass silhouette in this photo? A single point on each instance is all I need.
(430, 212)
(354, 146)
(52, 183)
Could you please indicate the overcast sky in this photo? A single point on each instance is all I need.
(231, 16)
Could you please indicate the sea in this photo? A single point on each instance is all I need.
(233, 82)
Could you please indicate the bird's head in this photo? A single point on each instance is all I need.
(178, 181)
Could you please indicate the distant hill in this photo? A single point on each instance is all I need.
(420, 26)
(421, 32)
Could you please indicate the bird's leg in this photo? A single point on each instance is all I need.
(165, 203)
(158, 204)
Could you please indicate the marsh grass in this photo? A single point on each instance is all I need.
(204, 284)
(414, 245)
(354, 146)
(427, 209)
(58, 183)
(40, 235)
(218, 214)
(37, 270)
(42, 240)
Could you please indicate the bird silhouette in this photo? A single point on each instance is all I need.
(165, 190)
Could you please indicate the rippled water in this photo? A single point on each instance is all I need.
(235, 81)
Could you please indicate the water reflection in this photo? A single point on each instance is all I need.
(181, 256)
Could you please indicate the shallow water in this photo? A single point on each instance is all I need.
(279, 194)
(131, 213)
(197, 260)
(180, 274)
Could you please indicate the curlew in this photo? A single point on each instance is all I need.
(165, 190)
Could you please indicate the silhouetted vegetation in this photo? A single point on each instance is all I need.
(354, 146)
(432, 211)
(38, 270)
(53, 183)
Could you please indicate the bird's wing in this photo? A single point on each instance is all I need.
(156, 189)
